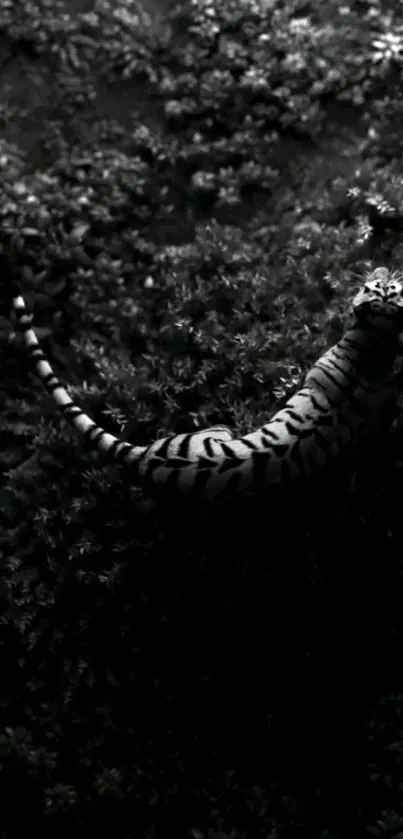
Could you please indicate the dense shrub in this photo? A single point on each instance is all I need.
(168, 668)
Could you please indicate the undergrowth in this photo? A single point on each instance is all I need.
(189, 200)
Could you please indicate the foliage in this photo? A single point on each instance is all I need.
(170, 670)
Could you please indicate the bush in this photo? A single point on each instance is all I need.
(192, 254)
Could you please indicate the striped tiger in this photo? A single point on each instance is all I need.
(338, 398)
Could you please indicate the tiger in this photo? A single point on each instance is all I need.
(339, 396)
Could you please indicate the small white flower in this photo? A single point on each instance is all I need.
(388, 46)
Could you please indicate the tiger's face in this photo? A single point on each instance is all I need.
(379, 304)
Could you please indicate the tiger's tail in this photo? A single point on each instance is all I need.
(107, 443)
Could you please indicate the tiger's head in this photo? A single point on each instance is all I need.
(379, 303)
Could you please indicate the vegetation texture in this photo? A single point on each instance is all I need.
(193, 191)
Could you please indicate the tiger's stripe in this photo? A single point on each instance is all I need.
(340, 393)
